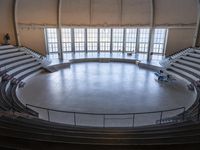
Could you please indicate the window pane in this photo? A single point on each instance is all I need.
(79, 39)
(117, 39)
(159, 40)
(92, 39)
(66, 39)
(143, 40)
(52, 39)
(131, 38)
(105, 35)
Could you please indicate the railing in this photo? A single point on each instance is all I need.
(106, 120)
(34, 52)
(178, 52)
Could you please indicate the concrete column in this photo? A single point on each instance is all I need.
(98, 44)
(150, 47)
(86, 49)
(137, 40)
(59, 25)
(15, 22)
(73, 42)
(124, 40)
(111, 39)
(196, 41)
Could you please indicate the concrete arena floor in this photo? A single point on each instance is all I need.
(104, 88)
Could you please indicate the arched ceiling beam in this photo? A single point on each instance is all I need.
(15, 22)
(196, 41)
(59, 25)
(152, 24)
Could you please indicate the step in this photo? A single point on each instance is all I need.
(177, 76)
(6, 46)
(191, 59)
(197, 51)
(12, 60)
(7, 56)
(196, 55)
(34, 73)
(27, 71)
(22, 67)
(9, 51)
(187, 68)
(19, 63)
(189, 63)
(184, 73)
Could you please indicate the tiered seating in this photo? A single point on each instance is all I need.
(16, 65)
(187, 68)
(24, 130)
(6, 47)
(187, 65)
(30, 131)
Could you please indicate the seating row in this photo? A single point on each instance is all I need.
(20, 127)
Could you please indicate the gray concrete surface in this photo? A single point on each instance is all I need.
(104, 88)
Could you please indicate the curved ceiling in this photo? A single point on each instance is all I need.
(107, 12)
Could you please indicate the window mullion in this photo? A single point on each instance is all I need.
(137, 40)
(73, 40)
(85, 44)
(98, 41)
(124, 40)
(111, 40)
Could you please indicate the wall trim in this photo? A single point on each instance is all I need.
(186, 26)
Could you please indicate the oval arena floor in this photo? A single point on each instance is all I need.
(104, 88)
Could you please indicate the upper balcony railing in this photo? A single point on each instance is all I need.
(107, 120)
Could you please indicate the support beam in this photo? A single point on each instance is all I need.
(90, 12)
(111, 40)
(121, 12)
(196, 41)
(15, 21)
(59, 25)
(137, 41)
(152, 22)
(124, 40)
(98, 44)
(85, 44)
(72, 39)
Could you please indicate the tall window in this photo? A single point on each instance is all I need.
(159, 40)
(79, 39)
(92, 39)
(131, 39)
(117, 41)
(66, 39)
(105, 35)
(52, 40)
(143, 40)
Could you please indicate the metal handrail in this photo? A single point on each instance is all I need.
(33, 51)
(174, 54)
(105, 116)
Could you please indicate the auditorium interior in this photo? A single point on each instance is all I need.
(99, 74)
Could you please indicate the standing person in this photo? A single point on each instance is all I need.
(6, 39)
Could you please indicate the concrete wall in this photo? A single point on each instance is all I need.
(34, 13)
(34, 39)
(179, 39)
(37, 12)
(136, 12)
(6, 20)
(175, 12)
(75, 12)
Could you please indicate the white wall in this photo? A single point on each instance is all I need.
(100, 13)
(6, 20)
